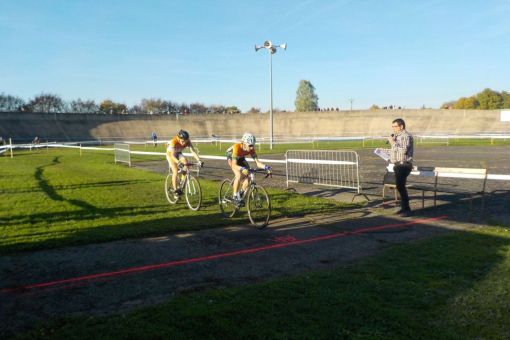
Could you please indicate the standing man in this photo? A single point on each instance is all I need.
(401, 155)
(154, 138)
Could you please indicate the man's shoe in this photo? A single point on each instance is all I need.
(178, 192)
(405, 213)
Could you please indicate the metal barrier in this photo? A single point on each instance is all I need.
(122, 153)
(323, 167)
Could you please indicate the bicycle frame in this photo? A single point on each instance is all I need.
(252, 194)
(187, 184)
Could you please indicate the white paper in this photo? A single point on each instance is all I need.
(382, 153)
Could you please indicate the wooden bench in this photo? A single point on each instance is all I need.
(439, 185)
(460, 173)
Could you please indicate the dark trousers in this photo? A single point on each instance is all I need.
(401, 173)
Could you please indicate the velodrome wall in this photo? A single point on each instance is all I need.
(72, 127)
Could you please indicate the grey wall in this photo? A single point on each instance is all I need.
(24, 126)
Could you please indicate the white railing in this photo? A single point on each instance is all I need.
(323, 167)
(122, 153)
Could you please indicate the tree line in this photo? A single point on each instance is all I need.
(306, 100)
(485, 100)
(51, 103)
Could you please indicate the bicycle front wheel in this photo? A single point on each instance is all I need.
(227, 207)
(171, 197)
(193, 193)
(259, 206)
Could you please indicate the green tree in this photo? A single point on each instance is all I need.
(490, 100)
(306, 98)
(108, 106)
(232, 110)
(464, 103)
(373, 107)
(153, 106)
(506, 99)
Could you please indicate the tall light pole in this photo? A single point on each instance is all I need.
(268, 45)
(351, 100)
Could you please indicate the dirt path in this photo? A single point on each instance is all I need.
(118, 276)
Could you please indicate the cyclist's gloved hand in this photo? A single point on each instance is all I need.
(244, 170)
(269, 171)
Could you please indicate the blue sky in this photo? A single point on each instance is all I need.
(407, 53)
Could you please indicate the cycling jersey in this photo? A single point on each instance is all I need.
(175, 146)
(237, 152)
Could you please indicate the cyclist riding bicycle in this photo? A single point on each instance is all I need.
(175, 157)
(236, 160)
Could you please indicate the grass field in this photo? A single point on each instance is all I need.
(450, 287)
(455, 286)
(55, 198)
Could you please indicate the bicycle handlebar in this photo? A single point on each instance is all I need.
(182, 165)
(268, 173)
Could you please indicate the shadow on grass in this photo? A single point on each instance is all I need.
(149, 226)
(76, 186)
(51, 192)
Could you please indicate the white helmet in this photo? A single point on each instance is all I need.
(248, 138)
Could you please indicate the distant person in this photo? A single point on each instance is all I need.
(401, 155)
(154, 138)
(35, 143)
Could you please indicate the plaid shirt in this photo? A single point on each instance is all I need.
(402, 150)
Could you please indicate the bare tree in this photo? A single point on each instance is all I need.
(198, 108)
(216, 109)
(45, 102)
(86, 106)
(10, 103)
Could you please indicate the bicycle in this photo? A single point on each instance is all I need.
(257, 200)
(187, 184)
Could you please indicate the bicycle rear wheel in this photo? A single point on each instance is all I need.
(193, 193)
(171, 197)
(227, 207)
(259, 206)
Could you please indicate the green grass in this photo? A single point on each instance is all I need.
(449, 287)
(56, 198)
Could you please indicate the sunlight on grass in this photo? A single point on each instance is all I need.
(55, 198)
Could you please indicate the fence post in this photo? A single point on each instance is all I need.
(287, 169)
(10, 143)
(80, 149)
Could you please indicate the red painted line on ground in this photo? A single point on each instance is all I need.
(214, 256)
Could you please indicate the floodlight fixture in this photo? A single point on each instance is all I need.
(271, 48)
